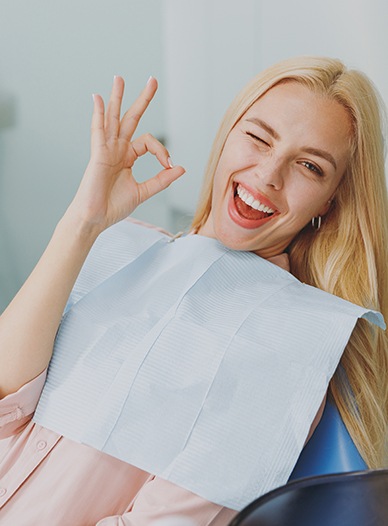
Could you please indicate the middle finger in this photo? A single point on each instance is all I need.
(112, 116)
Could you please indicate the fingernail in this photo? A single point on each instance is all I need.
(170, 163)
(150, 78)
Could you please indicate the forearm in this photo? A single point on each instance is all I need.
(29, 325)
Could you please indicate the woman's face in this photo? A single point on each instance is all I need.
(279, 168)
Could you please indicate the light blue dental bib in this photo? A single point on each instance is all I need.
(199, 364)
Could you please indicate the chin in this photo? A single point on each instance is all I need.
(232, 237)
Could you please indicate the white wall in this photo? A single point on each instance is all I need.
(352, 30)
(53, 56)
(211, 50)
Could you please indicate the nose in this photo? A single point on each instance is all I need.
(271, 172)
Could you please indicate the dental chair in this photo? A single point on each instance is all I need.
(342, 499)
(330, 449)
(329, 486)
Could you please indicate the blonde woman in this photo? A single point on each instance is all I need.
(302, 144)
(348, 254)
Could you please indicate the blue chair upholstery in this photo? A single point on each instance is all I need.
(344, 499)
(329, 450)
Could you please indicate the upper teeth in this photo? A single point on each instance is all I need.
(251, 201)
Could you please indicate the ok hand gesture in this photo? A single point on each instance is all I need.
(108, 190)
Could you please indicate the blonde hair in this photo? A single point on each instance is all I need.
(348, 256)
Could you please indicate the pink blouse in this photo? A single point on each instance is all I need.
(48, 480)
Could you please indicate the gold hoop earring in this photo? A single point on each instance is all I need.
(316, 223)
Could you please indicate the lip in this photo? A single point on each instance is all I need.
(242, 221)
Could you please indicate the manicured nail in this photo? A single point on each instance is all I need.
(150, 78)
(170, 163)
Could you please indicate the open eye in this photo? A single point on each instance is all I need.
(258, 139)
(312, 167)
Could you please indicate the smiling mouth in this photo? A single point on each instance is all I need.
(250, 208)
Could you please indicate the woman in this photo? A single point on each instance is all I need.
(303, 141)
(348, 255)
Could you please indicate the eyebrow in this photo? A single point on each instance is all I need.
(265, 126)
(321, 153)
(313, 151)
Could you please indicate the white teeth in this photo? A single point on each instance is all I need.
(252, 202)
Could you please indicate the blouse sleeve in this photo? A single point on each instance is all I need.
(160, 499)
(16, 409)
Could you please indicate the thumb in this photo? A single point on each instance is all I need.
(159, 182)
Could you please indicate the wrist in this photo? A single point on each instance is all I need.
(81, 232)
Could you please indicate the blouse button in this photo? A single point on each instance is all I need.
(41, 445)
(3, 491)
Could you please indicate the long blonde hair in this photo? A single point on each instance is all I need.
(348, 256)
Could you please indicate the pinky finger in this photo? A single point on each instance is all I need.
(97, 126)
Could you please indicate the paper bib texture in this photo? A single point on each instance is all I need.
(199, 364)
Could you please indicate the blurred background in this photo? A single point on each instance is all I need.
(55, 54)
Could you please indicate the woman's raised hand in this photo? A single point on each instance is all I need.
(108, 191)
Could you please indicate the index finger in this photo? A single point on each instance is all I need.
(132, 116)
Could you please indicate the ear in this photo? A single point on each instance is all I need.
(326, 207)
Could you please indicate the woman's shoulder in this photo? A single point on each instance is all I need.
(144, 224)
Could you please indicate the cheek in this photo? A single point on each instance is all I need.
(231, 165)
(306, 200)
(222, 174)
